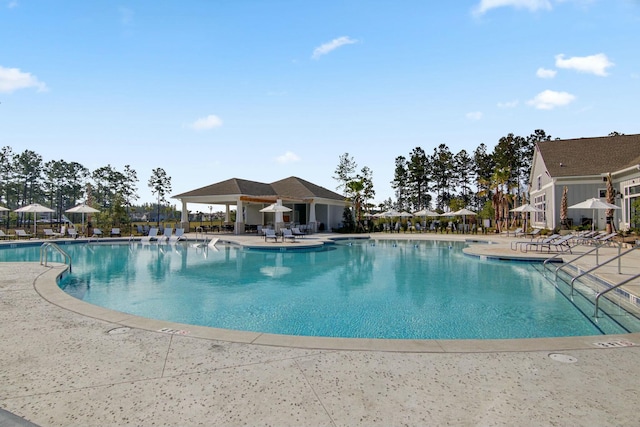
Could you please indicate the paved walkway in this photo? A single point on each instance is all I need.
(61, 365)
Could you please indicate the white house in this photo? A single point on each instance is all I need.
(582, 165)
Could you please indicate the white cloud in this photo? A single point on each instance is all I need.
(12, 79)
(508, 104)
(206, 123)
(594, 64)
(288, 157)
(332, 45)
(474, 115)
(532, 5)
(550, 99)
(543, 73)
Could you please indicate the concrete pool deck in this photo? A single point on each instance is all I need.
(66, 364)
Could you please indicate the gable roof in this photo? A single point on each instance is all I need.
(292, 187)
(590, 156)
(300, 189)
(233, 186)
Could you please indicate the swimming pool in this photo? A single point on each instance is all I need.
(358, 289)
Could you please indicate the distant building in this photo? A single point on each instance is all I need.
(311, 205)
(583, 165)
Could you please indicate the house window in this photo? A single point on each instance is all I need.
(540, 202)
(602, 193)
(539, 182)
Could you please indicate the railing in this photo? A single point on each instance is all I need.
(44, 257)
(617, 257)
(624, 282)
(595, 249)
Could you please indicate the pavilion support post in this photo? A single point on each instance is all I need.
(239, 225)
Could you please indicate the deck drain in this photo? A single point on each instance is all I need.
(115, 331)
(564, 358)
(614, 344)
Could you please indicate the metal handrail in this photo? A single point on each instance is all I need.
(598, 266)
(44, 253)
(201, 231)
(624, 282)
(575, 259)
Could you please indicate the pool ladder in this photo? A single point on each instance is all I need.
(44, 253)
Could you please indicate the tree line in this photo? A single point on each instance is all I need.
(443, 180)
(25, 178)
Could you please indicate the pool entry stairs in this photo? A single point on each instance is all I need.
(609, 307)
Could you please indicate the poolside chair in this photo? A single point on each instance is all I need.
(560, 244)
(73, 233)
(270, 234)
(97, 232)
(177, 237)
(287, 234)
(50, 234)
(115, 232)
(603, 239)
(4, 236)
(515, 232)
(22, 233)
(533, 233)
(152, 236)
(296, 232)
(546, 239)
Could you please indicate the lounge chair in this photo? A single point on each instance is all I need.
(152, 236)
(4, 236)
(50, 234)
(296, 232)
(22, 233)
(559, 244)
(97, 232)
(73, 233)
(288, 234)
(178, 236)
(601, 239)
(270, 234)
(515, 232)
(533, 233)
(115, 232)
(546, 239)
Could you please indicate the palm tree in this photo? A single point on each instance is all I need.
(498, 187)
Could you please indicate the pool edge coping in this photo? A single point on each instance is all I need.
(47, 287)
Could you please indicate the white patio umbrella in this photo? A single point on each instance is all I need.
(525, 209)
(83, 209)
(389, 214)
(464, 213)
(425, 212)
(34, 208)
(593, 204)
(274, 208)
(277, 209)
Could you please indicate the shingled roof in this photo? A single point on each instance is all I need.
(292, 187)
(590, 156)
(233, 186)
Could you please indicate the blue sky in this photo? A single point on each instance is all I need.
(264, 90)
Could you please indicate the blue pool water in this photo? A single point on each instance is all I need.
(362, 289)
